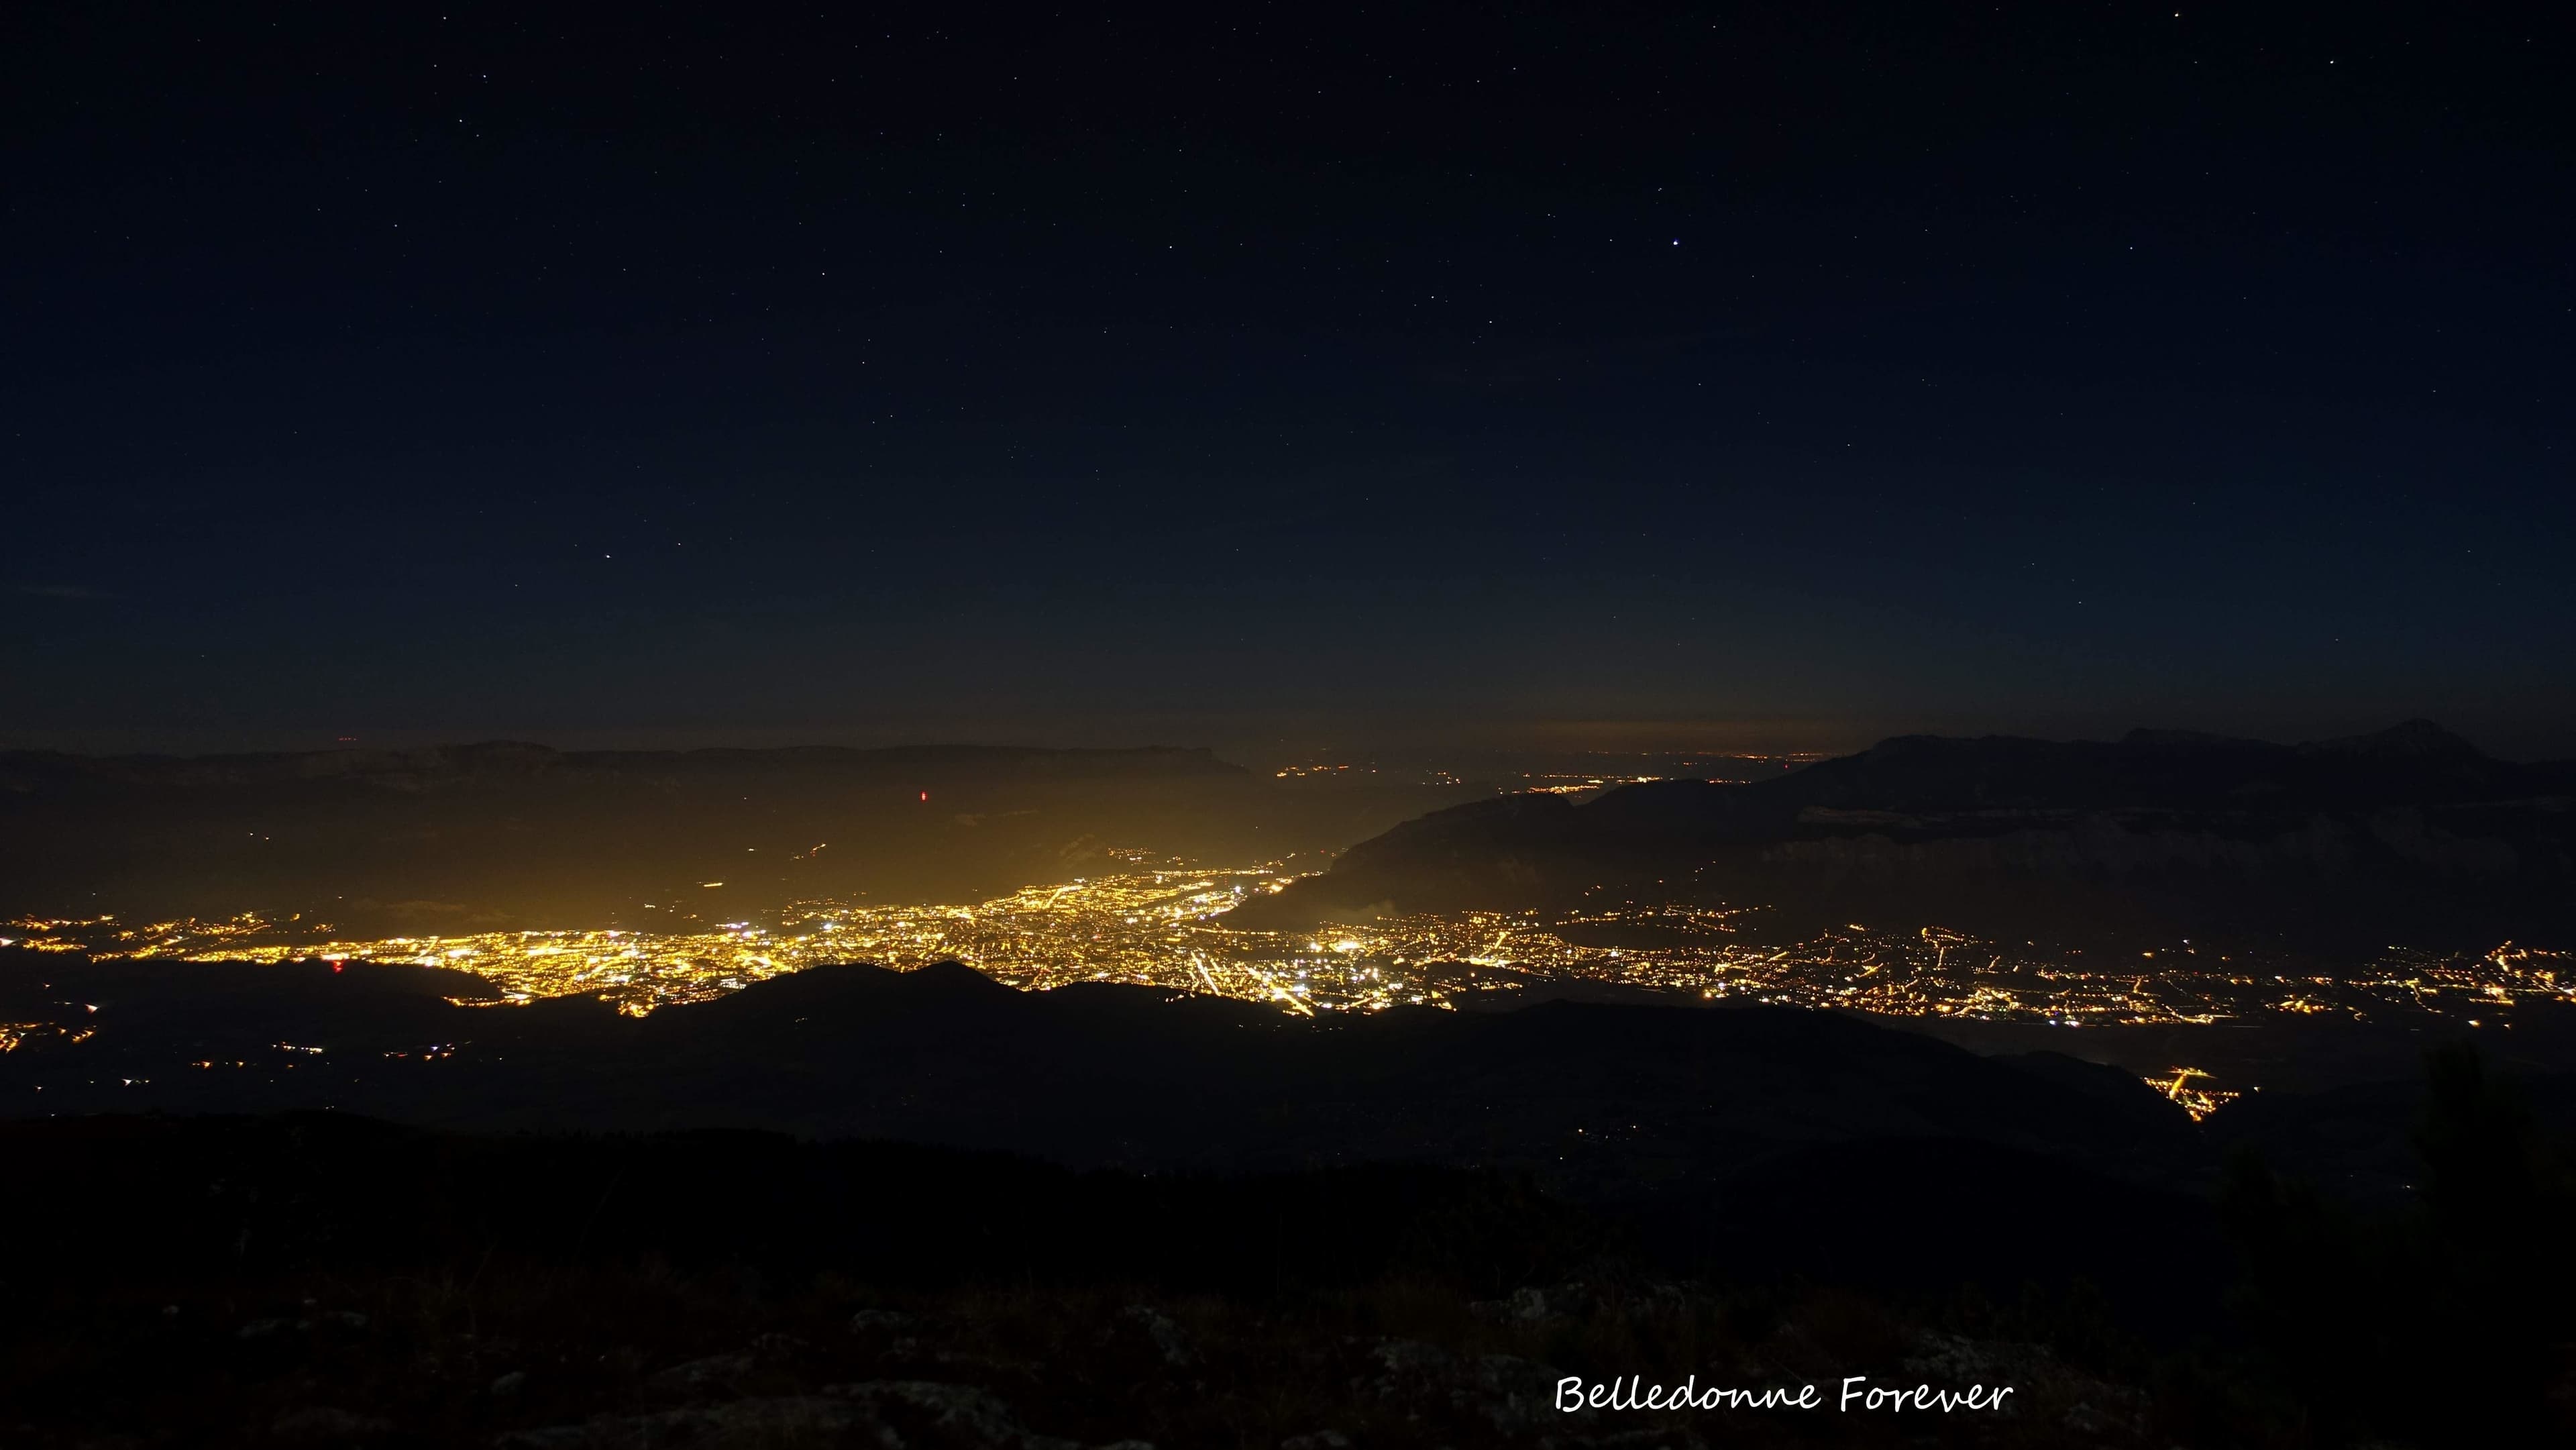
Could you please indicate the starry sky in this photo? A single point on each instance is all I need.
(1624, 376)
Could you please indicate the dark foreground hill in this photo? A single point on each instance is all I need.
(1182, 1173)
(2411, 835)
(1609, 1102)
(857, 1207)
(318, 1279)
(321, 1280)
(1757, 1137)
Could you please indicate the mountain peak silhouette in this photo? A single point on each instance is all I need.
(2414, 739)
(2407, 834)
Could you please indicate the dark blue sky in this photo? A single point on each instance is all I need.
(1634, 375)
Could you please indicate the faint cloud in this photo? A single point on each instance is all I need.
(64, 591)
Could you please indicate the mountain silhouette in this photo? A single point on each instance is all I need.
(506, 834)
(1604, 1101)
(2408, 834)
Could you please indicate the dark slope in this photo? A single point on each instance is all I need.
(1766, 1145)
(1609, 1102)
(2408, 834)
(2361, 1142)
(222, 1274)
(150, 1021)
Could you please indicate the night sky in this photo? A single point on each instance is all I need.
(1617, 375)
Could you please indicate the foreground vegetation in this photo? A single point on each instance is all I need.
(324, 1281)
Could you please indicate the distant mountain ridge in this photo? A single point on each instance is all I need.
(509, 834)
(34, 771)
(2409, 829)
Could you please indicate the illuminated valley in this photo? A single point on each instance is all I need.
(1165, 926)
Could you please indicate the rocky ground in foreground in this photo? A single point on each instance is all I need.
(314, 1280)
(523, 1358)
